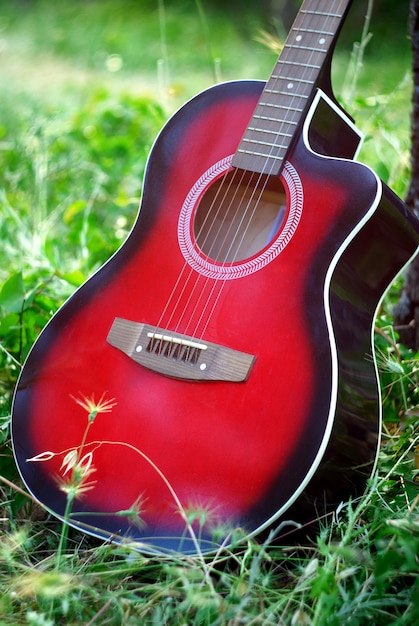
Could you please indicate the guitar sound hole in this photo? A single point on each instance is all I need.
(239, 215)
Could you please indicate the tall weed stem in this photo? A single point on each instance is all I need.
(358, 55)
(64, 532)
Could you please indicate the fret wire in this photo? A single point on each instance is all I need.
(276, 157)
(296, 63)
(323, 13)
(305, 48)
(266, 131)
(307, 65)
(268, 143)
(282, 67)
(276, 77)
(276, 91)
(285, 93)
(310, 30)
(302, 81)
(293, 48)
(273, 119)
(291, 94)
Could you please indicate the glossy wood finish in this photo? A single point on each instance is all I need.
(236, 454)
(219, 368)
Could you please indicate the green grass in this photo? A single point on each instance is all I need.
(85, 89)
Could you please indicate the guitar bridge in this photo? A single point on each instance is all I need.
(177, 355)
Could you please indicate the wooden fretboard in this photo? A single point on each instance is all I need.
(290, 88)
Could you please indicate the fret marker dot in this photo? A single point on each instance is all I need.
(298, 38)
(322, 40)
(290, 85)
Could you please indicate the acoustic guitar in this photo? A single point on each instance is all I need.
(217, 374)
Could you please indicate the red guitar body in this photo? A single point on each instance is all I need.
(201, 457)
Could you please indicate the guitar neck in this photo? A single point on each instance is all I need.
(290, 88)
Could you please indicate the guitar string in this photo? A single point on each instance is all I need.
(295, 95)
(186, 266)
(215, 284)
(235, 242)
(221, 283)
(214, 215)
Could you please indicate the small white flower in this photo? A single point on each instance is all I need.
(69, 461)
(43, 456)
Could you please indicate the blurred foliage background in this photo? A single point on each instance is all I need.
(131, 37)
